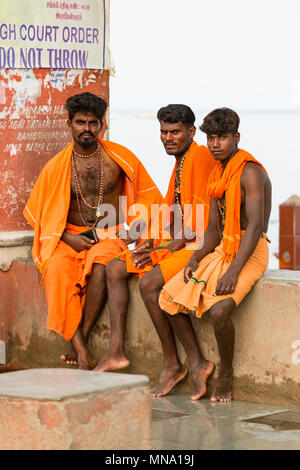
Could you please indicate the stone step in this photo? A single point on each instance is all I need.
(61, 409)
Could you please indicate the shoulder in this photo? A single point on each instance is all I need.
(253, 175)
(202, 155)
(118, 149)
(253, 170)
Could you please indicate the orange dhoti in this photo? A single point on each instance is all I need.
(66, 276)
(169, 262)
(198, 295)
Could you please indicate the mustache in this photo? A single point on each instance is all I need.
(86, 132)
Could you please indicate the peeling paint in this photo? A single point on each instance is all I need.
(33, 128)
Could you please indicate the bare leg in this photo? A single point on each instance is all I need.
(220, 315)
(117, 287)
(173, 371)
(94, 302)
(201, 368)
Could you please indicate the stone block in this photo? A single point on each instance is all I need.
(64, 409)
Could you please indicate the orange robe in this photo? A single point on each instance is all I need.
(195, 172)
(198, 295)
(228, 182)
(64, 271)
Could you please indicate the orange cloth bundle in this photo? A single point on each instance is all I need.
(228, 182)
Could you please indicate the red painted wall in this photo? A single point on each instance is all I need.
(33, 129)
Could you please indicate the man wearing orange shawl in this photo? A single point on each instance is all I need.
(158, 260)
(233, 257)
(73, 193)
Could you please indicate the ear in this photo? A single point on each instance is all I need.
(237, 138)
(68, 123)
(192, 131)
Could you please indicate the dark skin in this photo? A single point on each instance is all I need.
(176, 138)
(254, 218)
(85, 129)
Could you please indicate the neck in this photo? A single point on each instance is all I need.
(85, 151)
(179, 156)
(224, 163)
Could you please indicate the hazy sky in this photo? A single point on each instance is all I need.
(237, 53)
(243, 54)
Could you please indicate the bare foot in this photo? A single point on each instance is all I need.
(70, 358)
(223, 388)
(200, 375)
(112, 362)
(86, 361)
(167, 380)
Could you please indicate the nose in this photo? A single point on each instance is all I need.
(216, 142)
(169, 137)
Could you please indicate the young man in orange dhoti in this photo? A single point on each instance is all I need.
(72, 194)
(234, 255)
(154, 261)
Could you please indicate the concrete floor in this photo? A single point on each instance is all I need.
(181, 424)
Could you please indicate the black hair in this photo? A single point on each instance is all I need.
(86, 103)
(176, 113)
(221, 121)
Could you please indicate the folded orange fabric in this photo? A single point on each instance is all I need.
(198, 295)
(228, 183)
(66, 275)
(47, 208)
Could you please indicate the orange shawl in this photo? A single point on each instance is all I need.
(195, 172)
(229, 182)
(48, 205)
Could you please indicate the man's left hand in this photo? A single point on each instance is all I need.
(141, 255)
(227, 283)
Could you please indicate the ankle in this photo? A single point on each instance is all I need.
(226, 371)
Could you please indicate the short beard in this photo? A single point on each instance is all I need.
(85, 144)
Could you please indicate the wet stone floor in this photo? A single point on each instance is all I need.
(179, 423)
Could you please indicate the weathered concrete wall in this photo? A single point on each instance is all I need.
(267, 355)
(33, 128)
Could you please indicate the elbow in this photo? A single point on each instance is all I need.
(255, 227)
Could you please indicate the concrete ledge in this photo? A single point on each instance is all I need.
(59, 409)
(16, 238)
(15, 246)
(267, 351)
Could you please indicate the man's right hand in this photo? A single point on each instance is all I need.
(77, 242)
(190, 268)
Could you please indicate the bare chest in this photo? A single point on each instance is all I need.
(87, 176)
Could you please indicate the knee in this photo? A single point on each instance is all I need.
(115, 270)
(220, 316)
(149, 285)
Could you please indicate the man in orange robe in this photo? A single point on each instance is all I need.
(233, 257)
(159, 259)
(89, 176)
